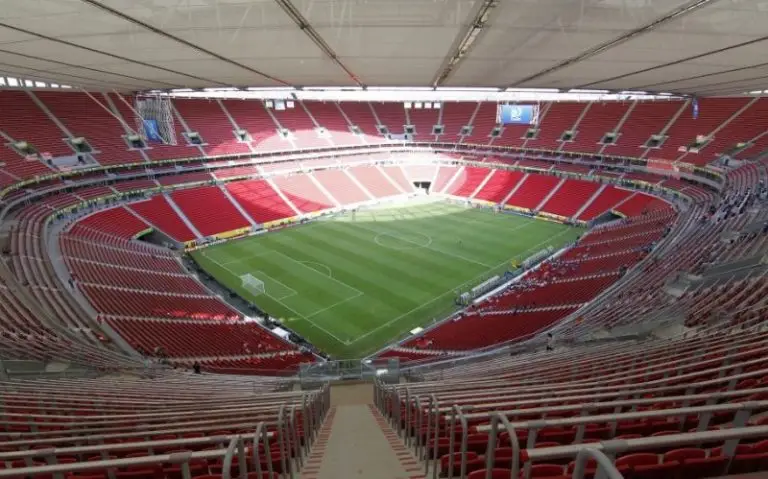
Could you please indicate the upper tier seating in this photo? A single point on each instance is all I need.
(156, 151)
(301, 126)
(424, 120)
(601, 118)
(251, 116)
(209, 120)
(456, 115)
(83, 117)
(361, 116)
(391, 115)
(329, 115)
(559, 118)
(750, 124)
(483, 124)
(683, 132)
(23, 120)
(670, 418)
(105, 123)
(644, 120)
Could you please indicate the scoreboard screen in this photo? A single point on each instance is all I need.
(517, 114)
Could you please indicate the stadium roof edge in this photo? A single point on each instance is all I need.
(402, 94)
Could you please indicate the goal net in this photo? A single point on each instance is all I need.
(252, 284)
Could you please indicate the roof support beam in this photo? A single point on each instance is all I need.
(309, 30)
(465, 40)
(698, 77)
(82, 68)
(191, 45)
(110, 55)
(689, 7)
(677, 62)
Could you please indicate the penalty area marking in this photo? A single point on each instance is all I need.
(326, 268)
(299, 315)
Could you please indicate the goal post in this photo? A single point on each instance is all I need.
(252, 284)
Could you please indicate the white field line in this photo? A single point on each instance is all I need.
(447, 253)
(306, 318)
(455, 288)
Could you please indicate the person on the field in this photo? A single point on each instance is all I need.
(196, 367)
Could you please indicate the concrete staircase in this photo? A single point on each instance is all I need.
(357, 442)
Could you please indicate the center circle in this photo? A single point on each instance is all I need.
(403, 241)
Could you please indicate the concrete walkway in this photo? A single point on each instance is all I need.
(356, 442)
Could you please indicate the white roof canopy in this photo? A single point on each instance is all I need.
(706, 47)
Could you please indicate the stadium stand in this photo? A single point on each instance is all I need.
(98, 126)
(689, 405)
(260, 200)
(301, 126)
(159, 213)
(211, 123)
(341, 186)
(570, 198)
(600, 118)
(468, 181)
(532, 191)
(499, 186)
(555, 121)
(209, 210)
(361, 116)
(329, 115)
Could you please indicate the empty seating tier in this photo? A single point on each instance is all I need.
(609, 198)
(83, 117)
(159, 213)
(341, 186)
(532, 191)
(570, 197)
(209, 209)
(468, 181)
(373, 180)
(501, 184)
(211, 123)
(194, 339)
(260, 200)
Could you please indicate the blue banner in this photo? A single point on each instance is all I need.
(516, 114)
(695, 108)
(152, 131)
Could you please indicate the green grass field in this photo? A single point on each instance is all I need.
(352, 284)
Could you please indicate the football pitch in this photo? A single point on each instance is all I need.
(352, 284)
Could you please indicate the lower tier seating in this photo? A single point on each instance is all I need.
(198, 339)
